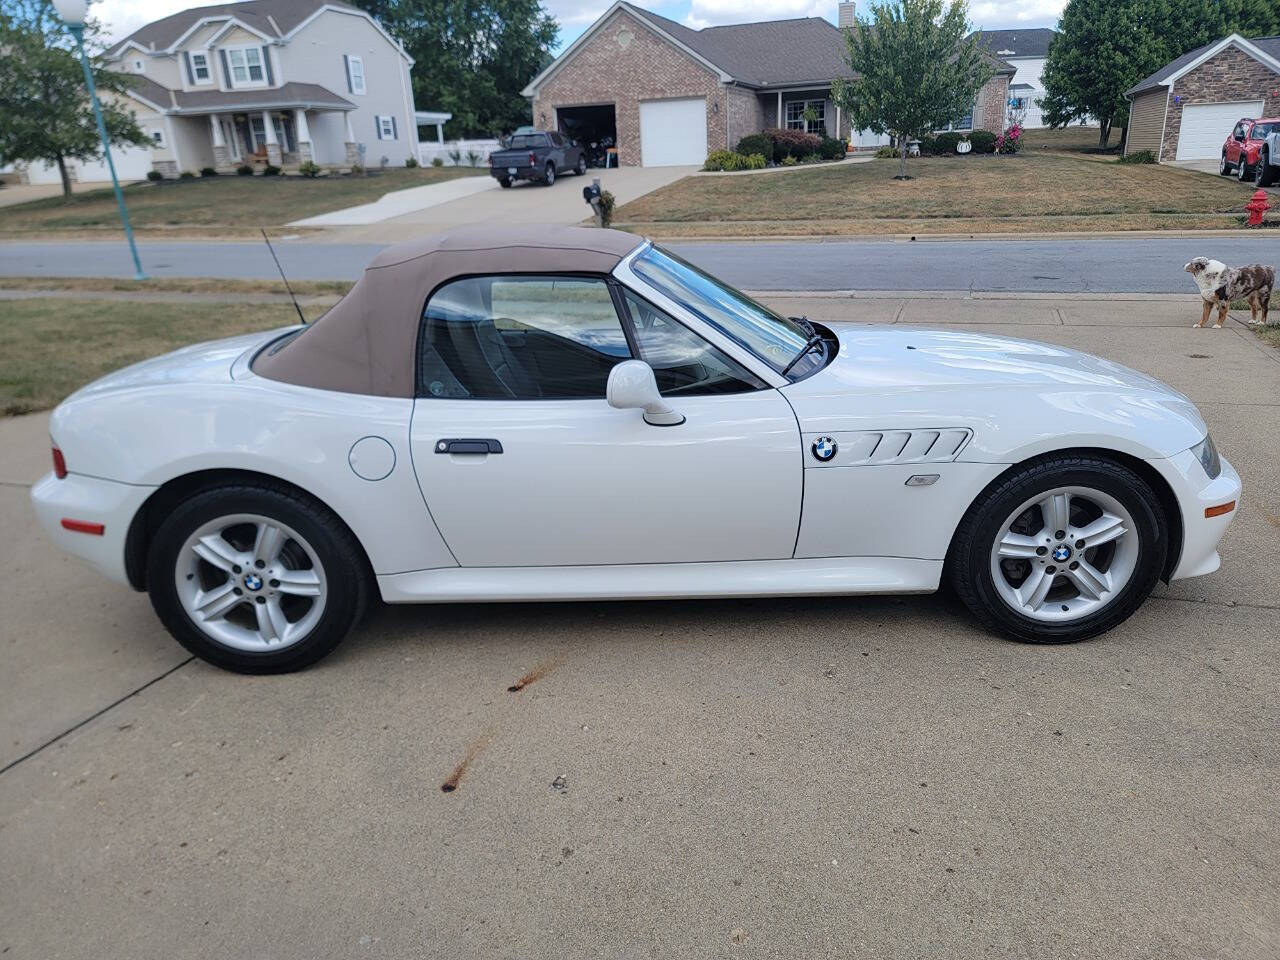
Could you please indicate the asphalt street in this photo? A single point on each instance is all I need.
(841, 778)
(1099, 265)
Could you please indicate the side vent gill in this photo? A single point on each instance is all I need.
(902, 446)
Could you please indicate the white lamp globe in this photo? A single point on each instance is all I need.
(73, 12)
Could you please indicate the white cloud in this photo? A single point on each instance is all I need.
(1007, 14)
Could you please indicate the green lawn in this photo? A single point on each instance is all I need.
(219, 207)
(1035, 191)
(48, 348)
(1066, 139)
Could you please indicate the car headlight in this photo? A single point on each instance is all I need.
(1207, 454)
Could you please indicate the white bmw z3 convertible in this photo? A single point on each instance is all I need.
(571, 414)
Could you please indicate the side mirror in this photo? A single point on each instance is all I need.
(632, 387)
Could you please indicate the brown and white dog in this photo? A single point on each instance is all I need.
(1220, 284)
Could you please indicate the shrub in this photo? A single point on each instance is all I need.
(271, 170)
(754, 161)
(244, 170)
(928, 145)
(720, 160)
(755, 143)
(811, 158)
(606, 208)
(456, 156)
(945, 143)
(887, 152)
(984, 141)
(310, 170)
(789, 161)
(356, 170)
(208, 172)
(1138, 156)
(437, 161)
(474, 157)
(411, 162)
(792, 143)
(186, 175)
(831, 149)
(154, 175)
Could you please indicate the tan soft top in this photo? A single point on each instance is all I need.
(368, 342)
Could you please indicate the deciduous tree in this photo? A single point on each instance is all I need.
(913, 69)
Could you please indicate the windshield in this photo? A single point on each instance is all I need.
(774, 339)
(1263, 130)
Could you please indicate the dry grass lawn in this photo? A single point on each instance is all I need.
(214, 207)
(218, 285)
(49, 348)
(1032, 192)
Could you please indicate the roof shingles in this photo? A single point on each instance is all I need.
(259, 14)
(1268, 45)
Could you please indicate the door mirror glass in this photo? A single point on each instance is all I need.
(632, 387)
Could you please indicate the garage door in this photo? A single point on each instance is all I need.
(673, 132)
(1206, 125)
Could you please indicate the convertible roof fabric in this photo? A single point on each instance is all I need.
(367, 343)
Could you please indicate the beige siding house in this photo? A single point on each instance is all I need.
(264, 81)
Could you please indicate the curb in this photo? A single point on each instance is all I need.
(943, 237)
(970, 295)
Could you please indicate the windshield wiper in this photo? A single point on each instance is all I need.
(809, 344)
(804, 323)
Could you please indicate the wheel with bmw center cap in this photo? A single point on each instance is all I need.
(256, 579)
(1060, 549)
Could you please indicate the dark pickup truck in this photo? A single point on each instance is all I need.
(536, 156)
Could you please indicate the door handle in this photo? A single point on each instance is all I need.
(474, 447)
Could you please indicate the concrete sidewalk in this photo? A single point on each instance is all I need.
(781, 778)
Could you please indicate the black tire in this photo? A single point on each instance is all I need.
(1224, 168)
(1242, 168)
(549, 175)
(345, 571)
(581, 168)
(505, 183)
(1262, 174)
(968, 565)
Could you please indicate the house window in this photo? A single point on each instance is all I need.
(817, 110)
(386, 128)
(246, 65)
(157, 136)
(964, 123)
(200, 67)
(355, 74)
(139, 67)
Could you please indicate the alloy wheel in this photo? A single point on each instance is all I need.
(251, 583)
(1064, 554)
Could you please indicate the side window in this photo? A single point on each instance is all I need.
(683, 363)
(520, 338)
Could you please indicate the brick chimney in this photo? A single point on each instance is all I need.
(847, 9)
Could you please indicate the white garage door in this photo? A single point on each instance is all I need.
(673, 132)
(1206, 125)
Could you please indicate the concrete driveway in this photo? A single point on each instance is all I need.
(786, 778)
(524, 202)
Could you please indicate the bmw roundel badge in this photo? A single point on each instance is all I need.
(824, 448)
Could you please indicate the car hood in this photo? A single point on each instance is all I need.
(198, 363)
(1012, 393)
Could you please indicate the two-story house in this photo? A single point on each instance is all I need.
(1025, 51)
(269, 81)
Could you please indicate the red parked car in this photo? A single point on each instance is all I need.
(1246, 140)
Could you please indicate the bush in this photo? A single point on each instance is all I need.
(186, 175)
(456, 156)
(1010, 141)
(754, 161)
(474, 157)
(792, 143)
(606, 208)
(945, 143)
(271, 170)
(154, 175)
(437, 161)
(411, 162)
(755, 143)
(244, 170)
(789, 161)
(984, 141)
(831, 149)
(928, 145)
(310, 170)
(1139, 156)
(356, 170)
(208, 172)
(811, 158)
(720, 160)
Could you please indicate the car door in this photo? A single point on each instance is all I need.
(522, 462)
(558, 152)
(1234, 144)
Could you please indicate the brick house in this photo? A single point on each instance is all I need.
(668, 94)
(1186, 109)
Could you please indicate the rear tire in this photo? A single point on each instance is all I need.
(256, 578)
(1091, 588)
(581, 168)
(505, 183)
(549, 177)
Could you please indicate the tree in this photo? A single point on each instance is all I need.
(45, 112)
(1104, 47)
(472, 57)
(913, 69)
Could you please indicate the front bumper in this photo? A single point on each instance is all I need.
(1195, 493)
(88, 499)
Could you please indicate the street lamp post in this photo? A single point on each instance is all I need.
(74, 13)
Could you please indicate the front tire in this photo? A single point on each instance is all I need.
(1224, 168)
(1262, 172)
(256, 578)
(1243, 169)
(1060, 549)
